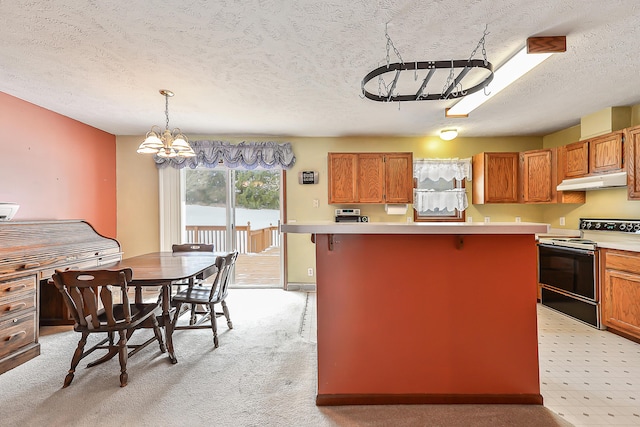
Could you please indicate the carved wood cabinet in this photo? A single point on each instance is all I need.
(370, 178)
(30, 251)
(621, 291)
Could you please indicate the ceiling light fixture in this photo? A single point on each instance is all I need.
(537, 50)
(448, 134)
(167, 143)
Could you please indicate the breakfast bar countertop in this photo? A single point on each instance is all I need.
(329, 227)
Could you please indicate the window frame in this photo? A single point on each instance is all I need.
(459, 216)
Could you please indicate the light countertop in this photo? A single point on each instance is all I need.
(329, 227)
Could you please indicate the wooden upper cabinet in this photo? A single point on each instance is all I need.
(632, 147)
(537, 173)
(576, 159)
(342, 177)
(370, 178)
(605, 153)
(398, 177)
(495, 178)
(602, 154)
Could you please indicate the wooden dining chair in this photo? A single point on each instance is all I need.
(207, 295)
(92, 299)
(192, 247)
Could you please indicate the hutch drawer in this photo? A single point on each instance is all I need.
(17, 332)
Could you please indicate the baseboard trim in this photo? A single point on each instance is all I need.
(623, 334)
(426, 399)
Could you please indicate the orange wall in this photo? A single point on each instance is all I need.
(55, 167)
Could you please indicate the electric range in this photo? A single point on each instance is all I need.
(568, 267)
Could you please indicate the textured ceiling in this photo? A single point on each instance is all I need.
(294, 68)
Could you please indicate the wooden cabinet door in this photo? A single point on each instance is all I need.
(399, 178)
(605, 153)
(576, 159)
(621, 292)
(632, 147)
(495, 178)
(537, 185)
(341, 173)
(370, 178)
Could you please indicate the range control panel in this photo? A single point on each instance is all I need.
(623, 225)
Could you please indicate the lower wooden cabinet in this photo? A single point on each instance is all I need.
(621, 291)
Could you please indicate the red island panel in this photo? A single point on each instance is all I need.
(426, 319)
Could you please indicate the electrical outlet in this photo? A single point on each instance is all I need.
(487, 219)
(561, 220)
(469, 219)
(518, 219)
(316, 203)
(309, 271)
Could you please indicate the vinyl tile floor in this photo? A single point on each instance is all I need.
(588, 376)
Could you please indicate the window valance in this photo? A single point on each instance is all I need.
(447, 169)
(245, 155)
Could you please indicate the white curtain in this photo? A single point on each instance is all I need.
(447, 169)
(429, 199)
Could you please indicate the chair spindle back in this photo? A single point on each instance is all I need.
(84, 290)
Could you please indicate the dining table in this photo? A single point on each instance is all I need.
(165, 269)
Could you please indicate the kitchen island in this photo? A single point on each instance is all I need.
(426, 313)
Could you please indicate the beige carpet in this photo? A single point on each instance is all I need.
(263, 374)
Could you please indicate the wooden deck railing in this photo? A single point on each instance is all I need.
(248, 240)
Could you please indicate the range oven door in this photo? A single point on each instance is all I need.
(568, 278)
(569, 270)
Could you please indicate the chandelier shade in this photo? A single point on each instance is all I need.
(166, 143)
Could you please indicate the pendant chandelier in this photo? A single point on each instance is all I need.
(167, 143)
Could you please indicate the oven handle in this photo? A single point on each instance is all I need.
(568, 249)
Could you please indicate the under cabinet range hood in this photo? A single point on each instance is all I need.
(595, 182)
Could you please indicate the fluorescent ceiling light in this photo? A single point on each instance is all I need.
(510, 71)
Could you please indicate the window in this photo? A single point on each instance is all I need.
(439, 189)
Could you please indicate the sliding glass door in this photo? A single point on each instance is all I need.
(237, 210)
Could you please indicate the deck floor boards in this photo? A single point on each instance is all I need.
(258, 269)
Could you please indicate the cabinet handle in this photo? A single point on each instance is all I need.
(15, 336)
(15, 307)
(30, 265)
(16, 288)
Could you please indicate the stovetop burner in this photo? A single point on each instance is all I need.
(593, 231)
